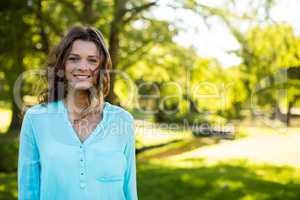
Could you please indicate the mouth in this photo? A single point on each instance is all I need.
(81, 76)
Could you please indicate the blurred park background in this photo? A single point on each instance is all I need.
(214, 87)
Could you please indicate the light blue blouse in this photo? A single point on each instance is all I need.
(55, 165)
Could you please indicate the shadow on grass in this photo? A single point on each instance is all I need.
(218, 182)
(176, 148)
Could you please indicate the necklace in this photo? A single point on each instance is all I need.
(76, 120)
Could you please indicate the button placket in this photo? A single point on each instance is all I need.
(82, 167)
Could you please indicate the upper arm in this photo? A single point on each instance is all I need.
(130, 186)
(28, 162)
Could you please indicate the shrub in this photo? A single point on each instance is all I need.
(9, 155)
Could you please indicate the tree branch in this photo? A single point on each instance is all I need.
(136, 10)
(138, 53)
(43, 34)
(88, 14)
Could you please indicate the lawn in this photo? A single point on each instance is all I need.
(236, 180)
(180, 171)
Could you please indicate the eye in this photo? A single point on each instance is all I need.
(73, 58)
(93, 60)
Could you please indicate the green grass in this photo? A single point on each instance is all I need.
(160, 177)
(222, 181)
(190, 179)
(232, 181)
(176, 148)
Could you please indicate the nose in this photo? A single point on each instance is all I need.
(83, 65)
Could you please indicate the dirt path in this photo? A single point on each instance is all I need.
(279, 148)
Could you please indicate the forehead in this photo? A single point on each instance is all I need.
(87, 48)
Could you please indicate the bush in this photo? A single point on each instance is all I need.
(9, 155)
(191, 118)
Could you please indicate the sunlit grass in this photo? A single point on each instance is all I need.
(5, 118)
(231, 180)
(198, 178)
(148, 133)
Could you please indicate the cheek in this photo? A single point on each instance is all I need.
(68, 70)
(95, 73)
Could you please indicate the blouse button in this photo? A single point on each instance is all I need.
(82, 185)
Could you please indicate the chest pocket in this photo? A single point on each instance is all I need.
(109, 174)
(108, 165)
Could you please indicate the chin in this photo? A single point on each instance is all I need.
(83, 86)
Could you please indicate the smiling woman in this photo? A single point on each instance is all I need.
(73, 144)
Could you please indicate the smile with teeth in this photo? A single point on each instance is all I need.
(81, 76)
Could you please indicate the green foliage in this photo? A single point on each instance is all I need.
(8, 186)
(147, 53)
(266, 51)
(9, 156)
(269, 49)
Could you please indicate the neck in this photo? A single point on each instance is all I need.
(77, 100)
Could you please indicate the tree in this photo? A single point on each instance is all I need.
(13, 48)
(269, 50)
(44, 22)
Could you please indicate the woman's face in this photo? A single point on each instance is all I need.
(82, 65)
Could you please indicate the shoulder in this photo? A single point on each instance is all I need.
(41, 108)
(118, 112)
(121, 119)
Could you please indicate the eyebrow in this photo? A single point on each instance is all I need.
(74, 54)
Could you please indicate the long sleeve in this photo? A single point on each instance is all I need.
(28, 163)
(130, 187)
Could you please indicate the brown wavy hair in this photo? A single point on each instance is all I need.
(55, 69)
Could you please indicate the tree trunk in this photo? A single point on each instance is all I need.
(16, 122)
(114, 45)
(88, 14)
(289, 111)
(114, 37)
(43, 34)
(18, 47)
(113, 50)
(288, 114)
